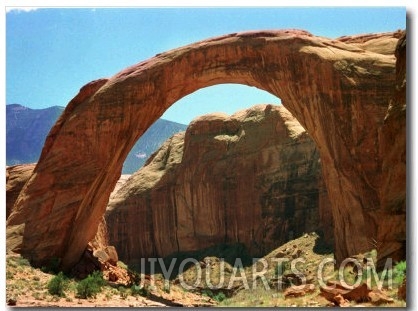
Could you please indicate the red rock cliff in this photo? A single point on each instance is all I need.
(16, 178)
(252, 178)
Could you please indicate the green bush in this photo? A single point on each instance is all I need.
(400, 272)
(91, 285)
(138, 290)
(23, 262)
(57, 285)
(219, 297)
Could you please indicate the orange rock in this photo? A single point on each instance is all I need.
(335, 288)
(250, 178)
(339, 91)
(16, 178)
(113, 255)
(300, 290)
(402, 291)
(377, 297)
(340, 301)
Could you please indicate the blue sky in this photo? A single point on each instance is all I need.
(52, 53)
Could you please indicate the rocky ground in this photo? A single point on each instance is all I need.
(28, 287)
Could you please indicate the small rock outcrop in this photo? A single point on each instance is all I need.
(340, 294)
(254, 177)
(16, 178)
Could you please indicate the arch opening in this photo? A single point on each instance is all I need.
(222, 98)
(208, 177)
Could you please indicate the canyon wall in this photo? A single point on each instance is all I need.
(254, 177)
(393, 147)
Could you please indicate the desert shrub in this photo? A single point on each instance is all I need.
(400, 272)
(57, 285)
(138, 290)
(90, 286)
(219, 297)
(9, 275)
(166, 288)
(123, 292)
(37, 295)
(23, 262)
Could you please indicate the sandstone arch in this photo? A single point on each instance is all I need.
(339, 90)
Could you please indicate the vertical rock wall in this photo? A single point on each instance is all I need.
(254, 178)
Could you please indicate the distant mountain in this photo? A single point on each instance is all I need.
(26, 131)
(149, 142)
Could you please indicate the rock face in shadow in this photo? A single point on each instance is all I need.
(339, 90)
(252, 178)
(392, 214)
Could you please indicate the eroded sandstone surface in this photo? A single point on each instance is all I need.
(16, 178)
(253, 177)
(338, 90)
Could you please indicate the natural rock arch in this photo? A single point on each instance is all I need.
(339, 90)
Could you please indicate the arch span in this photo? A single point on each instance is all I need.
(339, 91)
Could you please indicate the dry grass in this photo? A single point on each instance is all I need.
(27, 286)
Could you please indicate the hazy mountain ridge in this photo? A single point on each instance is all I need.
(26, 130)
(152, 139)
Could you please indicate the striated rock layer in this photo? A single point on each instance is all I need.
(391, 216)
(16, 178)
(98, 254)
(338, 90)
(251, 178)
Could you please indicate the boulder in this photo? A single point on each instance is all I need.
(340, 294)
(299, 290)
